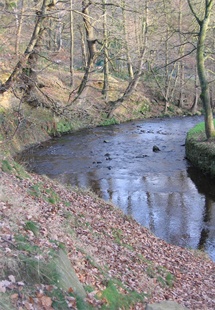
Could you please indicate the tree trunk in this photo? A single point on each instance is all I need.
(19, 26)
(128, 58)
(106, 61)
(196, 95)
(181, 52)
(91, 43)
(83, 48)
(37, 33)
(71, 62)
(205, 95)
(112, 105)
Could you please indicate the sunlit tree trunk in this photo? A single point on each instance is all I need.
(27, 57)
(196, 94)
(83, 48)
(91, 43)
(200, 56)
(19, 26)
(128, 57)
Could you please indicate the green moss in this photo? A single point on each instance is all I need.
(10, 166)
(32, 226)
(64, 127)
(196, 130)
(6, 166)
(23, 244)
(199, 150)
(109, 121)
(36, 190)
(117, 300)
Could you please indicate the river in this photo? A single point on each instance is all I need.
(160, 189)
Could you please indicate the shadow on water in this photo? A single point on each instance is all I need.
(206, 186)
(158, 188)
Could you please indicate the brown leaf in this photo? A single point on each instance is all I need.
(28, 306)
(14, 296)
(46, 301)
(70, 290)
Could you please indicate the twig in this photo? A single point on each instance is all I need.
(8, 241)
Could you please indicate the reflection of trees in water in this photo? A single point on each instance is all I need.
(167, 204)
(170, 206)
(206, 186)
(205, 230)
(150, 205)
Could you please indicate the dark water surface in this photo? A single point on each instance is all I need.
(161, 190)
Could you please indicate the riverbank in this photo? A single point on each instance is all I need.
(23, 125)
(119, 264)
(200, 151)
(111, 262)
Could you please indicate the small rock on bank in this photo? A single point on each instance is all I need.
(165, 305)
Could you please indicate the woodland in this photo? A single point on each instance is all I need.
(163, 47)
(69, 64)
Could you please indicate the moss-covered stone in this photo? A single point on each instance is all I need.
(200, 151)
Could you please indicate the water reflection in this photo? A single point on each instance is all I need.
(206, 186)
(160, 190)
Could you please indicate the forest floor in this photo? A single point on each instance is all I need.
(119, 264)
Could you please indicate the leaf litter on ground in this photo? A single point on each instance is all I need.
(103, 245)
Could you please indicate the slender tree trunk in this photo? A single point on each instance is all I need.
(106, 60)
(71, 62)
(196, 95)
(181, 52)
(91, 43)
(58, 42)
(112, 105)
(128, 57)
(205, 95)
(38, 29)
(19, 26)
(167, 86)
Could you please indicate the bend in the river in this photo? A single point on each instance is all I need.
(156, 186)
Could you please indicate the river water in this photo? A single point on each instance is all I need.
(161, 190)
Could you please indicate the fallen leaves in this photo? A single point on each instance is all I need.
(102, 244)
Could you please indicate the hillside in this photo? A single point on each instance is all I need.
(120, 264)
(56, 113)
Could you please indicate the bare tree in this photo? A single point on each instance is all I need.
(71, 62)
(134, 82)
(91, 43)
(106, 57)
(125, 33)
(29, 56)
(202, 15)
